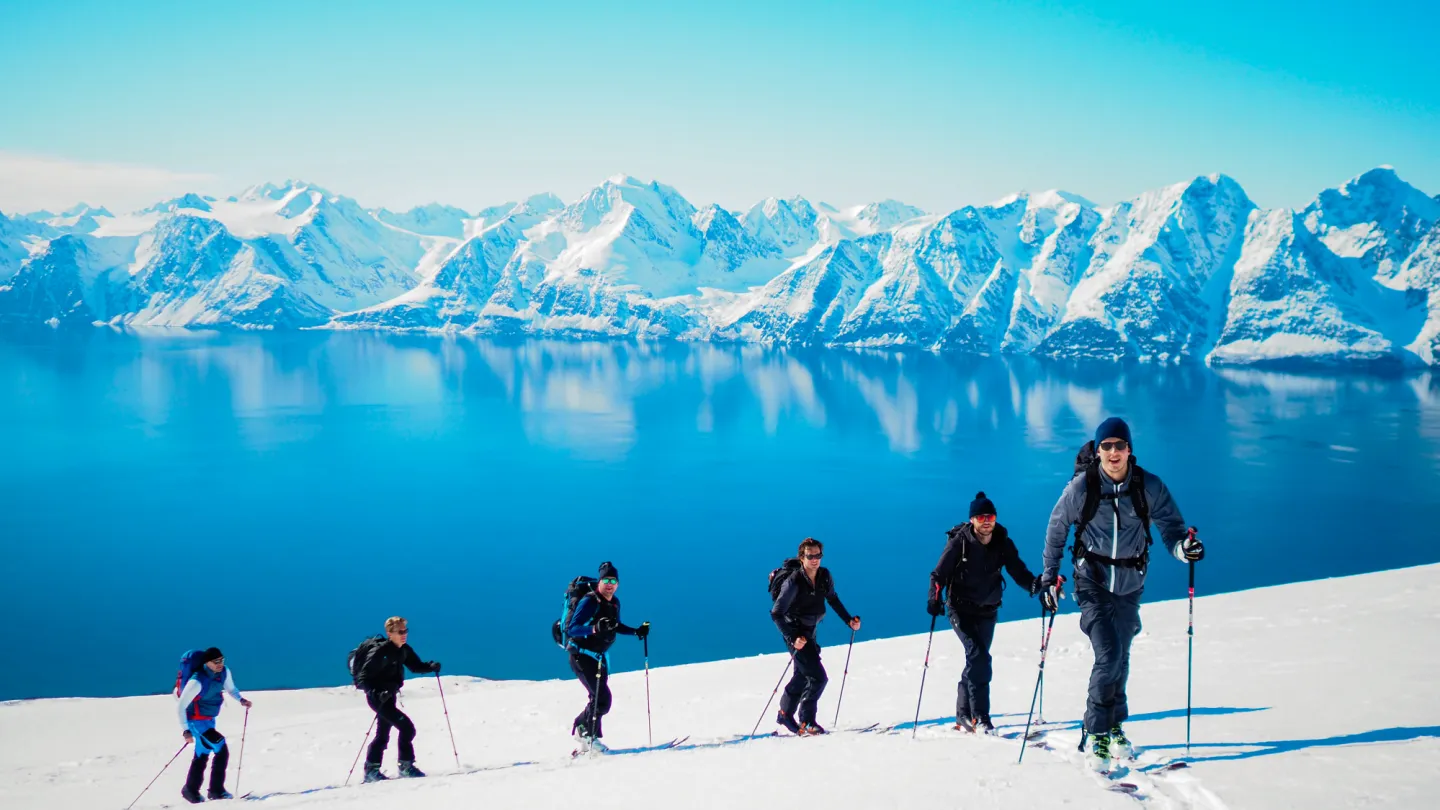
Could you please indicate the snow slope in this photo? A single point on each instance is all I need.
(1192, 271)
(1312, 695)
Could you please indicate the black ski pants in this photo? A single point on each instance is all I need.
(1111, 622)
(596, 676)
(802, 693)
(216, 740)
(976, 632)
(388, 716)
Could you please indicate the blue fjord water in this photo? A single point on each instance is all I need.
(280, 495)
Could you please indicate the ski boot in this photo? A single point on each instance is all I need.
(1120, 747)
(787, 721)
(409, 771)
(597, 746)
(966, 724)
(373, 774)
(984, 726)
(190, 794)
(215, 794)
(582, 743)
(1099, 759)
(812, 729)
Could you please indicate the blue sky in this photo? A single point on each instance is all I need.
(936, 104)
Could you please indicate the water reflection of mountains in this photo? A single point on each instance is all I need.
(589, 396)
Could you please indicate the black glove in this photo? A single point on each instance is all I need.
(434, 666)
(643, 631)
(1046, 587)
(1193, 549)
(605, 624)
(934, 606)
(383, 696)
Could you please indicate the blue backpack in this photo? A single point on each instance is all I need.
(189, 664)
(578, 589)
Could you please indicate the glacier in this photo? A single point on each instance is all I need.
(1192, 272)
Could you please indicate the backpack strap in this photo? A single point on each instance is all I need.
(1093, 497)
(1087, 511)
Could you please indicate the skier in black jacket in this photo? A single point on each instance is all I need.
(968, 579)
(590, 633)
(797, 610)
(380, 677)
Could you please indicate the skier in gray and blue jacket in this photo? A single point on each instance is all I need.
(1112, 556)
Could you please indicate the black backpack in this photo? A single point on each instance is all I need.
(786, 570)
(360, 656)
(790, 568)
(1087, 463)
(579, 588)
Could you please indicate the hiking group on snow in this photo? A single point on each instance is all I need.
(1111, 502)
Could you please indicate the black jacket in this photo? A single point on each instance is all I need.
(801, 604)
(581, 629)
(969, 571)
(382, 671)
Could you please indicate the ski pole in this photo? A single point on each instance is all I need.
(240, 766)
(362, 749)
(1044, 646)
(773, 692)
(649, 727)
(1190, 662)
(450, 728)
(843, 677)
(601, 676)
(916, 728)
(1040, 710)
(158, 775)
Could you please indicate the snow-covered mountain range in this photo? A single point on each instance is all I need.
(1190, 271)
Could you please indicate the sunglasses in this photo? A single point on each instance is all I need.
(814, 556)
(984, 518)
(1116, 445)
(609, 581)
(401, 632)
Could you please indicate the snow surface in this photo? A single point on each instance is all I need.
(1311, 695)
(1193, 270)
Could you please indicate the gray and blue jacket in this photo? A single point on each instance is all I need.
(1115, 531)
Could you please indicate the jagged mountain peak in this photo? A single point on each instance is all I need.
(1378, 191)
(191, 201)
(280, 191)
(81, 209)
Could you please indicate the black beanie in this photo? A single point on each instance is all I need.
(608, 570)
(981, 505)
(212, 654)
(1113, 428)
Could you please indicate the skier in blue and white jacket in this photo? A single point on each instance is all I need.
(199, 704)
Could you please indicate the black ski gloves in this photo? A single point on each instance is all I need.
(1050, 593)
(1192, 548)
(605, 624)
(934, 605)
(643, 631)
(434, 666)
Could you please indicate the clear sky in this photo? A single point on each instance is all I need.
(936, 104)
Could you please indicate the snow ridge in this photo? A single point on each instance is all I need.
(1192, 271)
